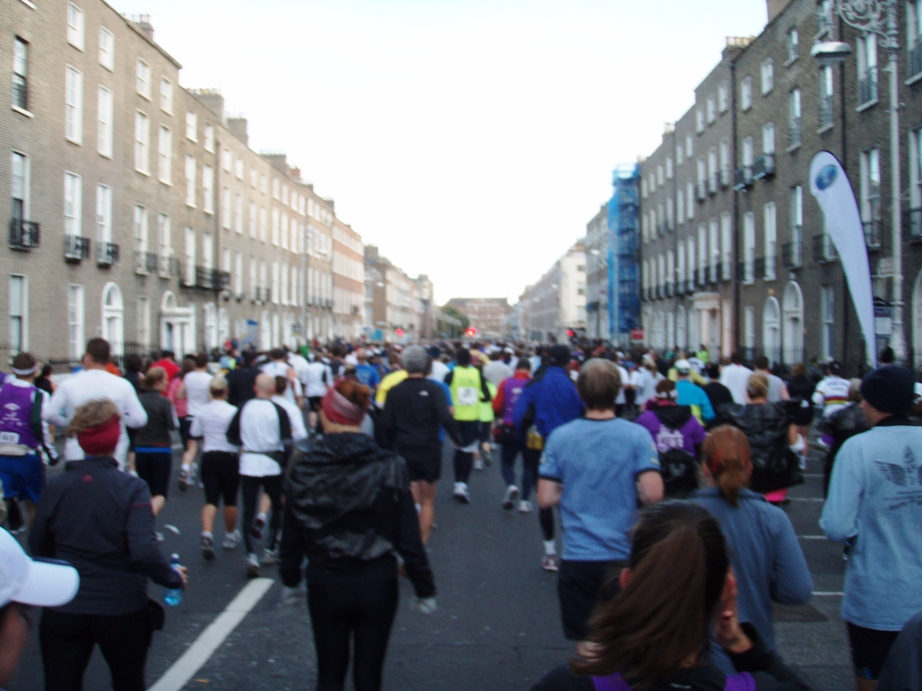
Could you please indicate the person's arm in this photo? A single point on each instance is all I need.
(791, 582)
(549, 493)
(141, 542)
(233, 430)
(409, 546)
(707, 410)
(446, 418)
(650, 488)
(499, 399)
(550, 475)
(291, 550)
(840, 513)
(56, 411)
(134, 414)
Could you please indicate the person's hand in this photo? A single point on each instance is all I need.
(183, 574)
(423, 605)
(727, 629)
(292, 597)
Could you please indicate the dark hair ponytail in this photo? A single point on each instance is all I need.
(679, 564)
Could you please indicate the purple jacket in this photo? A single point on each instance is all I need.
(672, 427)
(16, 404)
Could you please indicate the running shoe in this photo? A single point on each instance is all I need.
(270, 557)
(551, 562)
(256, 530)
(252, 565)
(512, 495)
(478, 464)
(461, 493)
(185, 478)
(525, 507)
(207, 546)
(231, 541)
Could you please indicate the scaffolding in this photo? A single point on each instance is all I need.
(623, 254)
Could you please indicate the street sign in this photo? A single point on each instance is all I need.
(637, 335)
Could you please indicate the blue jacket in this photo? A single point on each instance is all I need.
(554, 400)
(693, 395)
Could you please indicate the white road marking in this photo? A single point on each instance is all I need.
(827, 594)
(211, 638)
(812, 537)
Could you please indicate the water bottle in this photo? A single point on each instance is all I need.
(173, 596)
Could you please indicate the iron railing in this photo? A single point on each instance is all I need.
(106, 253)
(763, 166)
(167, 266)
(20, 92)
(867, 86)
(825, 111)
(24, 235)
(824, 251)
(76, 248)
(144, 262)
(211, 279)
(792, 254)
(742, 178)
(794, 132)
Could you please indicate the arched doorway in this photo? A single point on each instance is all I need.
(113, 318)
(177, 326)
(771, 330)
(793, 332)
(211, 326)
(681, 328)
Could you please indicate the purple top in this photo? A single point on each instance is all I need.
(672, 427)
(16, 415)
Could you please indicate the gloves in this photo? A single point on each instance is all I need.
(292, 597)
(423, 605)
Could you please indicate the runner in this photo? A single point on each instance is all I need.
(153, 443)
(220, 467)
(315, 380)
(278, 367)
(513, 444)
(468, 389)
(195, 390)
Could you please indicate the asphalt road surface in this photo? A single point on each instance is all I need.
(497, 624)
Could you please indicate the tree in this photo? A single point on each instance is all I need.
(454, 322)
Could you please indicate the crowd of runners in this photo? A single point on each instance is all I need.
(666, 472)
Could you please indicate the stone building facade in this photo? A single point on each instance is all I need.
(490, 316)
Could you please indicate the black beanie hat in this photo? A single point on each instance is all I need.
(560, 355)
(889, 389)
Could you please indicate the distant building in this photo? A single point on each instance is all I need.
(556, 303)
(490, 316)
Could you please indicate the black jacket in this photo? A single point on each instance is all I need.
(412, 414)
(99, 520)
(719, 396)
(159, 420)
(672, 416)
(240, 385)
(766, 428)
(348, 508)
(842, 425)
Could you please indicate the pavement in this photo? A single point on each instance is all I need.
(497, 624)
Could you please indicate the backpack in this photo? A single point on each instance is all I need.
(615, 682)
(680, 473)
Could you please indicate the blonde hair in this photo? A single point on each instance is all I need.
(92, 414)
(154, 376)
(757, 386)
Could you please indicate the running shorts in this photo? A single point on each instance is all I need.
(470, 431)
(22, 476)
(154, 468)
(581, 585)
(424, 464)
(314, 403)
(220, 474)
(869, 649)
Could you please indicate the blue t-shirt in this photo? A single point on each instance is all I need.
(447, 391)
(368, 375)
(598, 462)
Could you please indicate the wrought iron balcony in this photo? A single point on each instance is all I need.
(713, 272)
(746, 271)
(763, 166)
(207, 278)
(759, 267)
(167, 266)
(872, 233)
(914, 225)
(144, 262)
(20, 92)
(915, 58)
(867, 86)
(106, 253)
(792, 254)
(76, 248)
(24, 235)
(794, 137)
(670, 290)
(825, 111)
(742, 178)
(824, 251)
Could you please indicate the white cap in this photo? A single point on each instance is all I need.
(29, 582)
(683, 366)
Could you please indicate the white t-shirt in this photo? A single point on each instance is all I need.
(282, 369)
(625, 379)
(211, 423)
(736, 378)
(298, 430)
(832, 393)
(197, 391)
(259, 431)
(317, 376)
(439, 371)
(92, 385)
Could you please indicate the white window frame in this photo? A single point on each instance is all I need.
(749, 247)
(746, 93)
(73, 204)
(191, 125)
(144, 321)
(165, 155)
(770, 236)
(190, 244)
(226, 208)
(723, 97)
(238, 213)
(207, 189)
(142, 143)
(828, 321)
(76, 321)
(103, 213)
(191, 172)
(143, 79)
(20, 312)
(106, 49)
(726, 245)
(164, 237)
(76, 21)
(105, 116)
(793, 45)
(767, 72)
(768, 138)
(73, 105)
(166, 95)
(209, 138)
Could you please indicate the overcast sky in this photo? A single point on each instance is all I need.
(471, 140)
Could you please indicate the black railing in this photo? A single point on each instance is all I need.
(211, 279)
(742, 178)
(106, 253)
(144, 262)
(914, 225)
(670, 290)
(713, 272)
(867, 86)
(825, 111)
(872, 233)
(745, 271)
(792, 254)
(167, 267)
(824, 251)
(759, 267)
(20, 92)
(76, 248)
(794, 132)
(915, 58)
(763, 166)
(24, 235)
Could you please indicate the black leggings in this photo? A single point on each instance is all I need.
(272, 484)
(546, 519)
(363, 611)
(67, 642)
(464, 462)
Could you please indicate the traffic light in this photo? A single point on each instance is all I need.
(399, 332)
(471, 331)
(570, 333)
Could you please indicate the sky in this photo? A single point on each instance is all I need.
(471, 140)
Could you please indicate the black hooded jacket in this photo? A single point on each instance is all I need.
(348, 508)
(672, 416)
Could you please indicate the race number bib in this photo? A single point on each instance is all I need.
(9, 438)
(468, 395)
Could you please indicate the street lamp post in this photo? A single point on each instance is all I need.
(879, 17)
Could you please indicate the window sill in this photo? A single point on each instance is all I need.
(864, 106)
(146, 97)
(824, 130)
(208, 212)
(791, 61)
(190, 205)
(913, 79)
(794, 147)
(22, 111)
(168, 183)
(28, 4)
(78, 142)
(145, 173)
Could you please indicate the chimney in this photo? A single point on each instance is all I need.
(238, 127)
(295, 173)
(776, 7)
(142, 21)
(212, 100)
(277, 159)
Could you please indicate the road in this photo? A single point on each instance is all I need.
(497, 626)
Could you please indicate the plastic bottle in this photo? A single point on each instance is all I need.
(173, 596)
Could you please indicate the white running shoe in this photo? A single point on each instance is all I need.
(512, 496)
(252, 565)
(231, 540)
(270, 557)
(461, 493)
(478, 464)
(525, 507)
(207, 546)
(550, 562)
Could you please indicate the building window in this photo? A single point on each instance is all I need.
(679, 155)
(209, 138)
(142, 143)
(207, 251)
(75, 322)
(914, 36)
(768, 76)
(19, 313)
(190, 180)
(73, 106)
(867, 69)
(226, 160)
(794, 118)
(164, 244)
(20, 74)
(723, 97)
(103, 213)
(238, 169)
(143, 81)
(827, 317)
(870, 196)
(144, 322)
(166, 95)
(713, 249)
(106, 48)
(238, 273)
(711, 109)
(207, 189)
(643, 188)
(699, 120)
(253, 220)
(20, 185)
(275, 188)
(275, 227)
(140, 229)
(748, 152)
(726, 245)
(226, 208)
(191, 126)
(749, 329)
(104, 118)
(690, 199)
(189, 274)
(793, 45)
(262, 224)
(794, 259)
(749, 247)
(746, 93)
(238, 213)
(660, 176)
(771, 242)
(680, 206)
(73, 203)
(668, 168)
(826, 94)
(165, 151)
(75, 26)
(768, 138)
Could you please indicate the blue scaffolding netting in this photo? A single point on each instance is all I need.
(623, 253)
